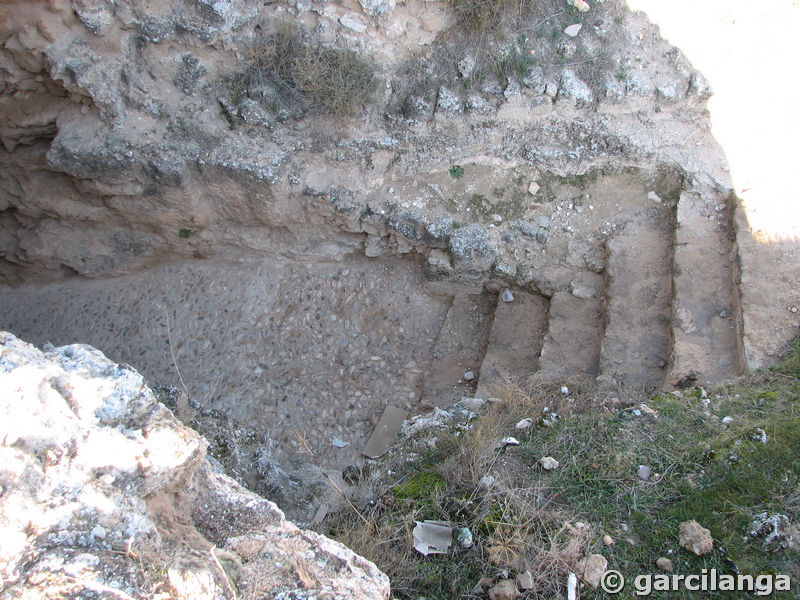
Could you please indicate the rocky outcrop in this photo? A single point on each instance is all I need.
(103, 493)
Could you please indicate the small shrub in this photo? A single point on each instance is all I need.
(456, 171)
(287, 72)
(334, 80)
(184, 233)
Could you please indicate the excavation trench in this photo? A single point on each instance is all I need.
(290, 340)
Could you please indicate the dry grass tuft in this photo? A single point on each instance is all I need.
(286, 72)
(480, 17)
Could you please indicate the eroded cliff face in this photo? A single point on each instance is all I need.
(104, 493)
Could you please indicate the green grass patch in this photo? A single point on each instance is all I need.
(720, 475)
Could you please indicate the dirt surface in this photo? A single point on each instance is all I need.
(281, 347)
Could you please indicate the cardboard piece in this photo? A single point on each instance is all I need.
(383, 435)
(321, 513)
(432, 537)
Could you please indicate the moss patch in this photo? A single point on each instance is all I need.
(420, 486)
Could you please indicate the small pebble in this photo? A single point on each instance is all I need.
(487, 481)
(548, 463)
(664, 564)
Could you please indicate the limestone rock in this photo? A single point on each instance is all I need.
(574, 89)
(505, 589)
(695, 538)
(478, 103)
(438, 265)
(591, 569)
(94, 464)
(472, 244)
(353, 23)
(449, 102)
(534, 79)
(774, 529)
(664, 564)
(548, 463)
(466, 66)
(377, 8)
(525, 423)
